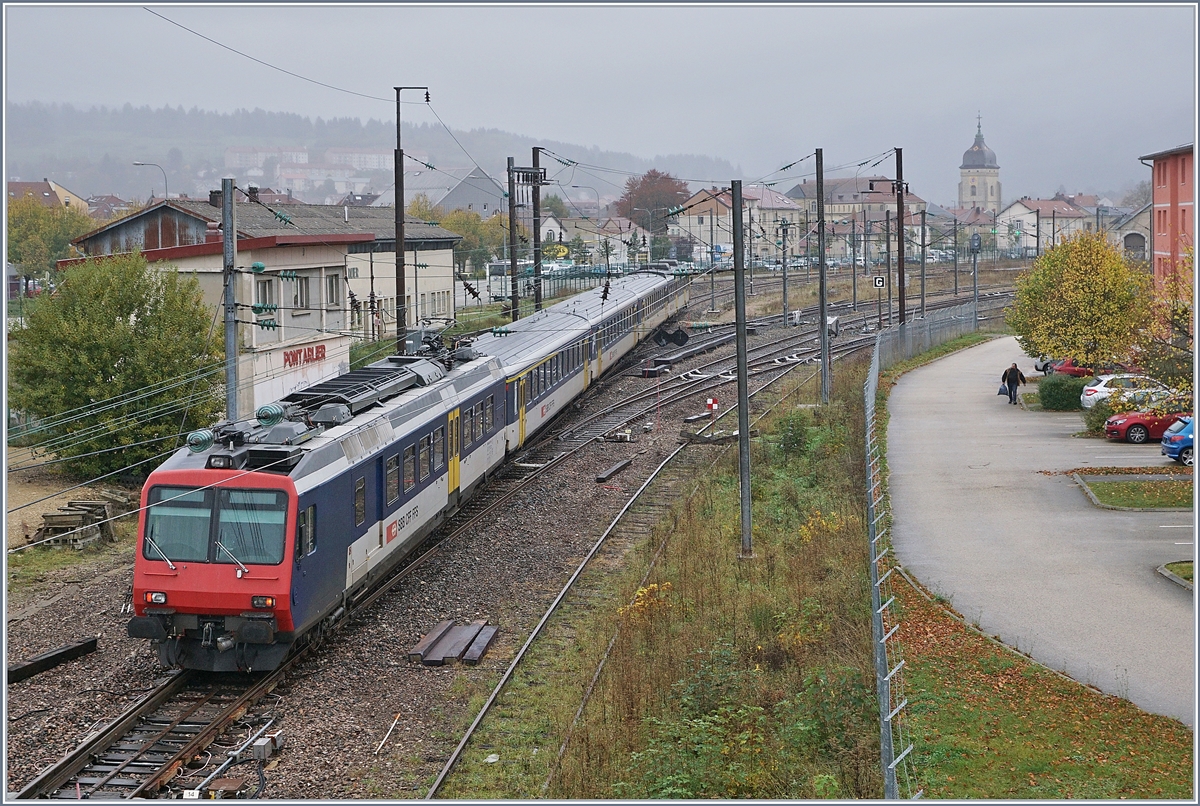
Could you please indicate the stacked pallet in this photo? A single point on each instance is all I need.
(77, 524)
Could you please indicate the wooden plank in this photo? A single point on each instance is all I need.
(479, 646)
(421, 650)
(453, 644)
(48, 660)
(612, 471)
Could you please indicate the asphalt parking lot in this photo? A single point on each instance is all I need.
(1023, 553)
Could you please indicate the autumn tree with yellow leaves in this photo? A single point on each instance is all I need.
(1082, 299)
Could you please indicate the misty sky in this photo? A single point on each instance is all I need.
(1069, 96)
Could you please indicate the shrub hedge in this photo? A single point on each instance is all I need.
(1094, 417)
(1061, 392)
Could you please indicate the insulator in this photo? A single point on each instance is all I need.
(269, 414)
(200, 441)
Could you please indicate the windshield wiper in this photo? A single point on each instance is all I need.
(163, 554)
(244, 569)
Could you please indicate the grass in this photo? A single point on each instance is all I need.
(31, 565)
(728, 678)
(988, 723)
(1183, 570)
(1143, 494)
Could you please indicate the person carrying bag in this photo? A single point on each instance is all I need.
(1009, 381)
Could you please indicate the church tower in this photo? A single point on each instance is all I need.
(979, 176)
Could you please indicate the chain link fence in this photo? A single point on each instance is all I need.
(892, 346)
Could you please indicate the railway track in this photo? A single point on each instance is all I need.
(143, 749)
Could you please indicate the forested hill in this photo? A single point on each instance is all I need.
(91, 151)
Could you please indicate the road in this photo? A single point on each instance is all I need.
(1022, 553)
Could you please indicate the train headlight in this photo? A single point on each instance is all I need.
(156, 597)
(262, 602)
(220, 462)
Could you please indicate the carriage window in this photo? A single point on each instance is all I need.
(393, 478)
(410, 467)
(306, 531)
(489, 414)
(424, 457)
(250, 526)
(439, 447)
(360, 501)
(479, 429)
(468, 423)
(177, 524)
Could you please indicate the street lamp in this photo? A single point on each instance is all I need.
(166, 193)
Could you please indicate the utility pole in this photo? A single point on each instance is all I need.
(537, 231)
(900, 232)
(922, 264)
(398, 171)
(229, 254)
(823, 319)
(739, 292)
(956, 256)
(783, 225)
(887, 244)
(512, 241)
(854, 259)
(1053, 226)
(1037, 247)
(712, 263)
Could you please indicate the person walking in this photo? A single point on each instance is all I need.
(1011, 377)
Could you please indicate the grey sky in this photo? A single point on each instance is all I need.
(1070, 95)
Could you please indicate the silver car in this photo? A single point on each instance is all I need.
(1138, 389)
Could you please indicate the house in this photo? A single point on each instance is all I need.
(1173, 222)
(1129, 230)
(357, 199)
(340, 264)
(1036, 225)
(362, 159)
(104, 208)
(50, 194)
(451, 189)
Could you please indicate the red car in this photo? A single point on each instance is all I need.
(1139, 427)
(1069, 366)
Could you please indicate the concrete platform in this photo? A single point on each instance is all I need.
(1023, 553)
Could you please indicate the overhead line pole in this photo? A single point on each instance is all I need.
(743, 392)
(823, 321)
(537, 231)
(512, 240)
(229, 255)
(900, 231)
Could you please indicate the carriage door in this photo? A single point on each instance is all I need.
(521, 409)
(452, 469)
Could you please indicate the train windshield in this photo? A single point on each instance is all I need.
(215, 525)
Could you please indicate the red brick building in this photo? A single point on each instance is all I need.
(1172, 224)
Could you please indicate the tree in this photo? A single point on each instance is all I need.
(1166, 345)
(39, 236)
(425, 210)
(555, 206)
(554, 251)
(579, 250)
(121, 355)
(650, 196)
(1139, 197)
(1080, 299)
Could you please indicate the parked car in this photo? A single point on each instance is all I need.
(1069, 366)
(1139, 427)
(1177, 442)
(1137, 389)
(1044, 365)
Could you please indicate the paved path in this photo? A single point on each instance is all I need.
(1025, 555)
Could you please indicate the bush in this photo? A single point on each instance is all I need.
(1094, 417)
(1061, 392)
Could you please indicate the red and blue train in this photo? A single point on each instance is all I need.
(263, 532)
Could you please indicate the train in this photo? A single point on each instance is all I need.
(261, 533)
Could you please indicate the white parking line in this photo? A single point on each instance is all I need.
(1175, 526)
(1188, 543)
